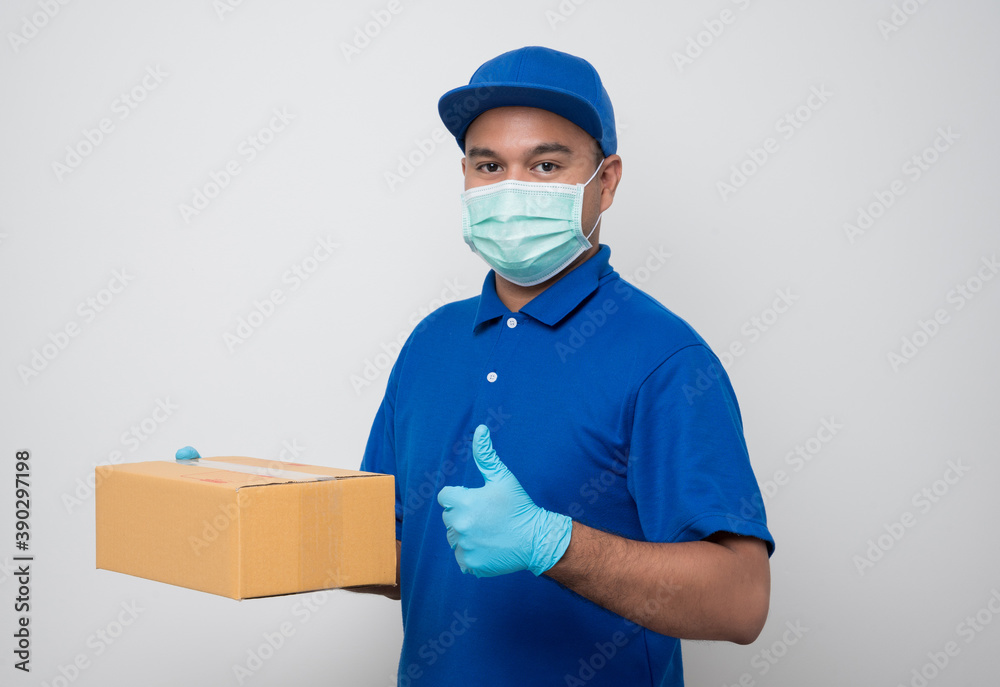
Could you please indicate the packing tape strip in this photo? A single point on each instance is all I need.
(258, 470)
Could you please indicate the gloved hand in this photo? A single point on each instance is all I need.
(497, 529)
(187, 453)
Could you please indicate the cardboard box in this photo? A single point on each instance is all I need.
(246, 527)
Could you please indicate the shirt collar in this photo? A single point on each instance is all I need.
(555, 302)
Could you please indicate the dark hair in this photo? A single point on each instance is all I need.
(598, 153)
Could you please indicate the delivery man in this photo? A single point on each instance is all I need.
(573, 490)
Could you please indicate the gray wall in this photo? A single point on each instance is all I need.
(866, 131)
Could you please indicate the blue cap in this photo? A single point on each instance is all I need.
(534, 77)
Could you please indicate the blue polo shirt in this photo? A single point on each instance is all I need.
(607, 407)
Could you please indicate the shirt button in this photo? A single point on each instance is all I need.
(511, 322)
(491, 377)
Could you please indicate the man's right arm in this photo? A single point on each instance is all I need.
(387, 590)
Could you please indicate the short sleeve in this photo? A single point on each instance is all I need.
(380, 451)
(688, 470)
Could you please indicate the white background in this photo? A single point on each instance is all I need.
(873, 605)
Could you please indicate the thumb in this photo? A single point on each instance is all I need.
(187, 453)
(487, 460)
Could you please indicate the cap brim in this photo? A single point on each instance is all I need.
(459, 106)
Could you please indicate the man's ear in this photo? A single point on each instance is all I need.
(611, 176)
(463, 166)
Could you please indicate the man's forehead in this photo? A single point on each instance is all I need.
(540, 130)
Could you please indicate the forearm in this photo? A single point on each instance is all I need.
(390, 591)
(718, 589)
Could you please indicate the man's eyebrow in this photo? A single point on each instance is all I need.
(480, 151)
(545, 148)
(540, 149)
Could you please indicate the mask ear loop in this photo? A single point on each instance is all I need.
(595, 226)
(588, 182)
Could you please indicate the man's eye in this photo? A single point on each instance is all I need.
(546, 167)
(491, 167)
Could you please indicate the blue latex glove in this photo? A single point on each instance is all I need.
(497, 529)
(187, 453)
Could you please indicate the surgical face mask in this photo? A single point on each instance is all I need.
(527, 231)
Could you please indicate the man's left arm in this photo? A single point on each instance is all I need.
(718, 588)
(702, 569)
(714, 588)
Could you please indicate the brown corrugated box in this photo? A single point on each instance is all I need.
(294, 528)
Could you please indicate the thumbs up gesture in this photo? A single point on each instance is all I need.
(497, 529)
